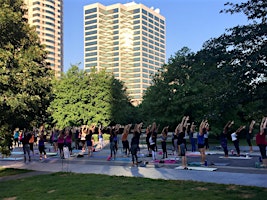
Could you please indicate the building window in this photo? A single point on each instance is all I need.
(34, 9)
(91, 48)
(136, 11)
(90, 59)
(136, 22)
(136, 70)
(144, 11)
(90, 43)
(137, 54)
(144, 17)
(90, 27)
(90, 54)
(91, 32)
(90, 11)
(90, 16)
(90, 22)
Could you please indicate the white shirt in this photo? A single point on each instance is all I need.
(234, 136)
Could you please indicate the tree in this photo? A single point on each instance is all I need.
(94, 98)
(25, 82)
(242, 52)
(223, 81)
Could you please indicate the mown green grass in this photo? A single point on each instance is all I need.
(89, 186)
(11, 171)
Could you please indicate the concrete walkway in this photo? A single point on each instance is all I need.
(238, 172)
(258, 180)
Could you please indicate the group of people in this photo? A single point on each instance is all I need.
(235, 135)
(83, 137)
(28, 139)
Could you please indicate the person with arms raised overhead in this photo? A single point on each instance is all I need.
(135, 143)
(235, 138)
(261, 141)
(124, 139)
(223, 137)
(201, 140)
(164, 135)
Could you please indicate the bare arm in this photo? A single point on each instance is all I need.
(240, 129)
(251, 126)
(262, 125)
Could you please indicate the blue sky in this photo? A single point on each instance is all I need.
(188, 23)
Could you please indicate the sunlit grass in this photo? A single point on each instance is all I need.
(89, 186)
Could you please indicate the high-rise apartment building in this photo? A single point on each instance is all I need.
(47, 17)
(126, 39)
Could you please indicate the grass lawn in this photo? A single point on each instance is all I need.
(11, 171)
(89, 186)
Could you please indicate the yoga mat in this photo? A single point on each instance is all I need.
(194, 164)
(17, 153)
(238, 158)
(220, 164)
(11, 159)
(51, 153)
(122, 159)
(197, 168)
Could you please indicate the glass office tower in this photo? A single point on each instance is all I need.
(47, 17)
(127, 40)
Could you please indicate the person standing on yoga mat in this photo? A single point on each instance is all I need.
(182, 141)
(235, 139)
(261, 141)
(164, 135)
(201, 140)
(224, 135)
(249, 135)
(124, 139)
(135, 143)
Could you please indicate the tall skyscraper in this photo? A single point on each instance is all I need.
(47, 17)
(126, 39)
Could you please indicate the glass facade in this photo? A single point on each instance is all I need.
(126, 39)
(47, 17)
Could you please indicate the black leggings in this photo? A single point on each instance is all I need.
(263, 150)
(236, 143)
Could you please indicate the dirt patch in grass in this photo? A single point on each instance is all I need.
(201, 188)
(51, 191)
(10, 198)
(247, 196)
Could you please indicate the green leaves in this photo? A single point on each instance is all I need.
(94, 98)
(226, 80)
(25, 83)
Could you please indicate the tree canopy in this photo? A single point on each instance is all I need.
(85, 99)
(25, 82)
(225, 80)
